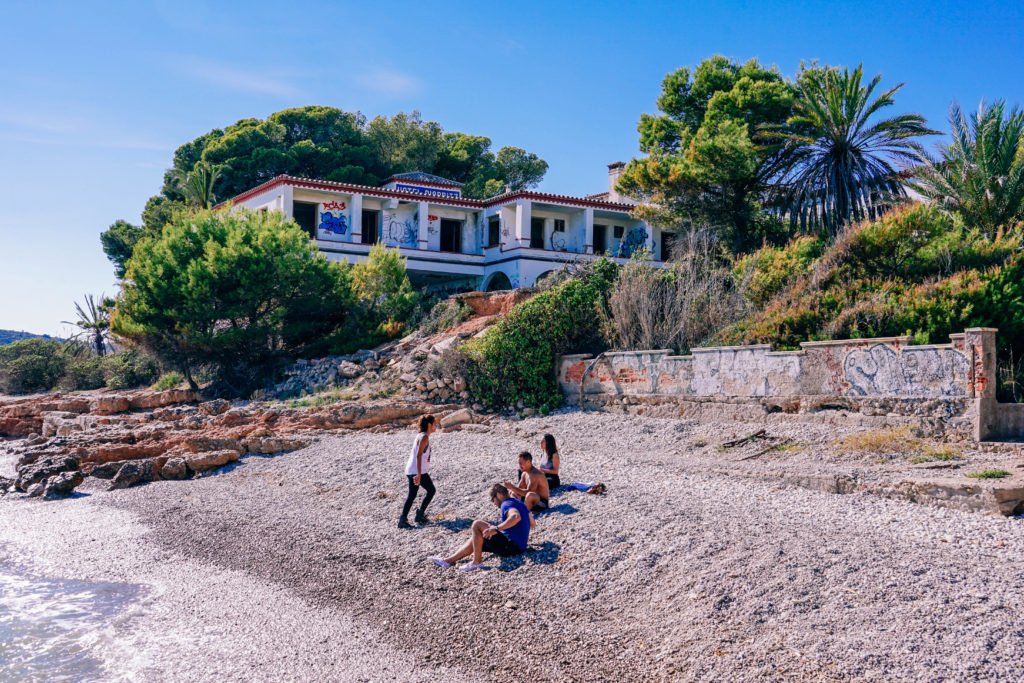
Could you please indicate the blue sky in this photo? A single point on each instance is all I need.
(96, 96)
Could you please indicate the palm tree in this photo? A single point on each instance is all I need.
(980, 174)
(197, 184)
(835, 164)
(94, 322)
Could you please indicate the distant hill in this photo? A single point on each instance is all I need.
(8, 336)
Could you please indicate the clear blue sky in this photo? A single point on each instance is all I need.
(96, 96)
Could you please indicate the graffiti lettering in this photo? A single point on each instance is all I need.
(432, 219)
(333, 224)
(633, 242)
(403, 233)
(881, 371)
(334, 206)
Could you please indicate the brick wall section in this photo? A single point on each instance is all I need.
(941, 387)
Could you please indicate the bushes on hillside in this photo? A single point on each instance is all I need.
(43, 364)
(677, 307)
(515, 359)
(31, 365)
(233, 292)
(915, 271)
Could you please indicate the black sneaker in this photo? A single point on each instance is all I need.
(402, 524)
(421, 518)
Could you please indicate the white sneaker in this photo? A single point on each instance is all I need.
(471, 567)
(440, 563)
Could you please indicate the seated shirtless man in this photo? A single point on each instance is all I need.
(533, 485)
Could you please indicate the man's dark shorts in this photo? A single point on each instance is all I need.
(500, 544)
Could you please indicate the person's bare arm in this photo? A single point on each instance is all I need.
(523, 487)
(510, 521)
(424, 442)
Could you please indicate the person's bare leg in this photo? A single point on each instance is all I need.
(478, 542)
(473, 545)
(531, 500)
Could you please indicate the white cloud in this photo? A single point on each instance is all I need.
(247, 79)
(388, 82)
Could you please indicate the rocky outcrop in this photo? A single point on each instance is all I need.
(61, 485)
(179, 441)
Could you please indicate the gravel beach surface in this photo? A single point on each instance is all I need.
(291, 567)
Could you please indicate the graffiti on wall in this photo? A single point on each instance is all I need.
(882, 371)
(403, 233)
(558, 241)
(633, 242)
(332, 223)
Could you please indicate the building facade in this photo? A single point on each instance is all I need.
(452, 242)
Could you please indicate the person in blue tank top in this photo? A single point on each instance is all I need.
(509, 537)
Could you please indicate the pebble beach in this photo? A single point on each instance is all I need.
(292, 567)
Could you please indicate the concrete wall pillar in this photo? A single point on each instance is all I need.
(524, 214)
(982, 377)
(588, 230)
(356, 233)
(423, 211)
(287, 198)
(649, 240)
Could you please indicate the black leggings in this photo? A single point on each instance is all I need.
(427, 484)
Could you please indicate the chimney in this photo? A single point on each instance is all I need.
(614, 171)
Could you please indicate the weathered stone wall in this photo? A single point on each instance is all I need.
(940, 387)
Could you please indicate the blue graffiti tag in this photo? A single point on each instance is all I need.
(331, 223)
(634, 241)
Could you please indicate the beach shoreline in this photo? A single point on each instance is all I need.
(292, 567)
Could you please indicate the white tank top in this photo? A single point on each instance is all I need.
(410, 467)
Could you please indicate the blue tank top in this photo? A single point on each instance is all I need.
(520, 533)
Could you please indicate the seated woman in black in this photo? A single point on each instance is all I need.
(551, 462)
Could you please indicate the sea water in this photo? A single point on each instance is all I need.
(63, 629)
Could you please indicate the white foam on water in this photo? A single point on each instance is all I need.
(63, 629)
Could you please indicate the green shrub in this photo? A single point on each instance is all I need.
(169, 380)
(237, 292)
(515, 359)
(129, 369)
(31, 365)
(445, 314)
(992, 473)
(83, 372)
(766, 271)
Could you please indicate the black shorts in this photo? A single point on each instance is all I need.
(541, 506)
(553, 481)
(502, 545)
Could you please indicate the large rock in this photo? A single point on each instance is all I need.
(110, 405)
(215, 407)
(29, 475)
(274, 444)
(200, 462)
(199, 444)
(62, 484)
(158, 399)
(174, 468)
(457, 418)
(134, 472)
(349, 370)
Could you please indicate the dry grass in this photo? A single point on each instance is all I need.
(900, 442)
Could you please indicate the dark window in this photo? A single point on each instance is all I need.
(600, 238)
(668, 243)
(493, 231)
(304, 214)
(619, 232)
(559, 225)
(536, 233)
(451, 235)
(370, 221)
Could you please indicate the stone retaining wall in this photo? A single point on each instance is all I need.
(941, 388)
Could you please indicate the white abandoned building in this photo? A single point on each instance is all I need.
(503, 242)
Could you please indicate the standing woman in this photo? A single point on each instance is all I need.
(418, 472)
(549, 466)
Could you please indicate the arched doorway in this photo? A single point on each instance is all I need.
(497, 282)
